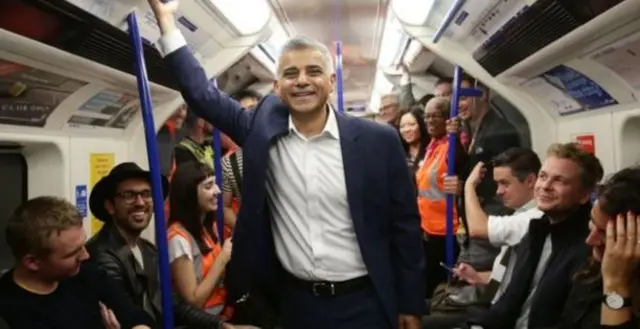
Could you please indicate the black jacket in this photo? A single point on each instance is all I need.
(583, 307)
(568, 252)
(109, 249)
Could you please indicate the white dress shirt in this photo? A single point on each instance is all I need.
(313, 230)
(505, 232)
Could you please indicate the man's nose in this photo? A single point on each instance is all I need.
(302, 80)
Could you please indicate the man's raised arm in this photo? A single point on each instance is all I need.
(202, 97)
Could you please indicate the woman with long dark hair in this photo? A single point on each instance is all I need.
(197, 259)
(414, 136)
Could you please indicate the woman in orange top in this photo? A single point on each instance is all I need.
(197, 259)
(433, 187)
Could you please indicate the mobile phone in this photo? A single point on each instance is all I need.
(446, 267)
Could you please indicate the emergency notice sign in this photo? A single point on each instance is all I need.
(587, 142)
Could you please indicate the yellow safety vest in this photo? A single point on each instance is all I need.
(204, 154)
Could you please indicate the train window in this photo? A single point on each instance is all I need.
(13, 179)
(511, 113)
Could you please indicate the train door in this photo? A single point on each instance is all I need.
(13, 180)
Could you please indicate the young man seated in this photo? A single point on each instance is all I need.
(53, 285)
(515, 172)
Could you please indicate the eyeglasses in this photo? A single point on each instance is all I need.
(132, 196)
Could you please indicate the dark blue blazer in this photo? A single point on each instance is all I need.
(380, 193)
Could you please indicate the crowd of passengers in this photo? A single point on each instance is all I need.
(540, 243)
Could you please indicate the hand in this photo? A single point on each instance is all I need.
(476, 175)
(403, 66)
(452, 185)
(467, 273)
(406, 321)
(227, 247)
(163, 9)
(108, 318)
(454, 126)
(622, 252)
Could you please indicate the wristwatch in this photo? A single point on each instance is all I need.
(615, 301)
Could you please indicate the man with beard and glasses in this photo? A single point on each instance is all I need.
(123, 201)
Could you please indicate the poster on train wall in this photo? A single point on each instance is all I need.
(579, 87)
(568, 91)
(551, 96)
(587, 142)
(99, 166)
(623, 58)
(28, 95)
(109, 108)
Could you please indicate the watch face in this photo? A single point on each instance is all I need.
(614, 301)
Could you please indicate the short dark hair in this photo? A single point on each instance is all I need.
(465, 77)
(32, 224)
(620, 193)
(424, 100)
(443, 81)
(246, 93)
(522, 162)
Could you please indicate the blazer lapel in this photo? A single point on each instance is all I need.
(353, 173)
(278, 123)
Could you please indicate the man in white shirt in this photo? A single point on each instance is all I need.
(328, 218)
(515, 172)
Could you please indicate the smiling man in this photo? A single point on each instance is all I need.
(122, 200)
(328, 212)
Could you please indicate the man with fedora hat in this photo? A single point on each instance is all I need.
(123, 201)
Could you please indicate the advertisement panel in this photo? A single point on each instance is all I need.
(28, 95)
(109, 108)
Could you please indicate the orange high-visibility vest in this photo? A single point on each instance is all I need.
(202, 264)
(432, 200)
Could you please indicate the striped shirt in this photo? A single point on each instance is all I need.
(231, 183)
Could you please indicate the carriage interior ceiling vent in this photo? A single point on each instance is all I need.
(246, 16)
(393, 45)
(64, 26)
(533, 28)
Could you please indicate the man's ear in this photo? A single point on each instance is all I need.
(31, 262)
(109, 207)
(276, 87)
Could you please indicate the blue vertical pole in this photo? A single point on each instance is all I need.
(457, 92)
(217, 157)
(339, 76)
(451, 167)
(154, 168)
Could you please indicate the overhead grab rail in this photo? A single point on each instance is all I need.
(448, 19)
(154, 169)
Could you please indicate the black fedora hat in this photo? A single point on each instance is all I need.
(105, 187)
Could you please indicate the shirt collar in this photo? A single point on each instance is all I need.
(527, 206)
(330, 127)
